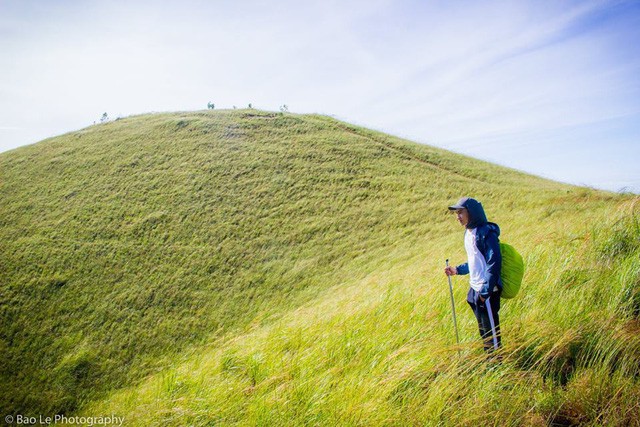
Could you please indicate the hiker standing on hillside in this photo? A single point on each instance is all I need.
(483, 265)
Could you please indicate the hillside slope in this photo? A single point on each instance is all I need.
(153, 241)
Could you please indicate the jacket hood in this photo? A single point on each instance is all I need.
(477, 217)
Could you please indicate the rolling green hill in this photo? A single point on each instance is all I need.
(247, 267)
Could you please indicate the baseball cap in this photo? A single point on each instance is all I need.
(460, 205)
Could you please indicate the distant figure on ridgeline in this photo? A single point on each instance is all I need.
(484, 262)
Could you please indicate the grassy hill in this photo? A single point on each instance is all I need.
(246, 267)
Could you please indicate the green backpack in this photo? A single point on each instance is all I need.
(512, 270)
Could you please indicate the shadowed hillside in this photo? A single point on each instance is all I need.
(269, 252)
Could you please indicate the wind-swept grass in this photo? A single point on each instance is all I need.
(244, 267)
(380, 351)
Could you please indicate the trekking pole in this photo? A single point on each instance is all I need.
(453, 308)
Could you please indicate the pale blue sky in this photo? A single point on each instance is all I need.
(548, 87)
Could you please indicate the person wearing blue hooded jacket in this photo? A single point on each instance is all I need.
(484, 261)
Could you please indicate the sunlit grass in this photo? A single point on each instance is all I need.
(380, 351)
(251, 268)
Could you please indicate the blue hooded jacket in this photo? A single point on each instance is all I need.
(487, 242)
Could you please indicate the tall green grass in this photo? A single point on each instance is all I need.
(380, 350)
(246, 267)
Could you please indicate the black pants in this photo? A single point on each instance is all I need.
(486, 312)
